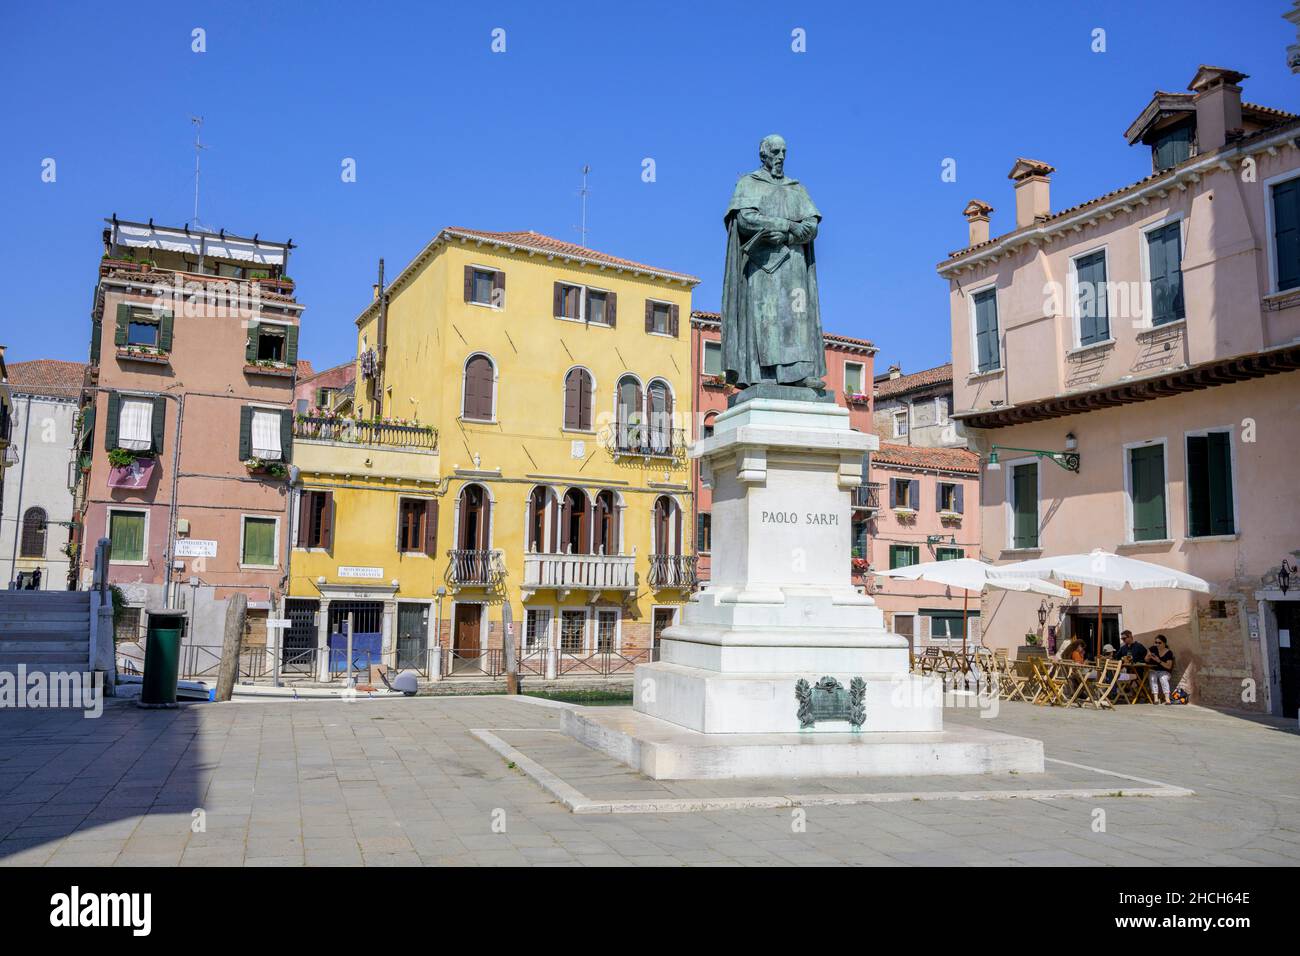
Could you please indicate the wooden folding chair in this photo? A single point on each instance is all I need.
(1098, 689)
(930, 660)
(1128, 682)
(1021, 683)
(1051, 686)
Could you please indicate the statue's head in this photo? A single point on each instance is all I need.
(771, 153)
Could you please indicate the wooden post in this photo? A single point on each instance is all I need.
(348, 681)
(508, 646)
(236, 612)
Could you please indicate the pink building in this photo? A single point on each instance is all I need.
(1132, 364)
(320, 391)
(186, 433)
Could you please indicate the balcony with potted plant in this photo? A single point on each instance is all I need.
(130, 469)
(857, 398)
(263, 468)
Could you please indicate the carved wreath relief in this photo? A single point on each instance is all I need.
(828, 700)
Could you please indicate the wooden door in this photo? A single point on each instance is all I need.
(466, 628)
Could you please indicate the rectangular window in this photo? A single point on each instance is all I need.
(712, 358)
(606, 630)
(948, 554)
(126, 532)
(946, 625)
(135, 424)
(537, 628)
(573, 626)
(481, 286)
(1024, 505)
(904, 492)
(270, 344)
(1286, 233)
(569, 302)
(1171, 148)
(410, 525)
(900, 423)
(1146, 469)
(947, 496)
(266, 434)
(660, 313)
(315, 520)
(259, 543)
(142, 332)
(704, 531)
(1165, 266)
(1090, 298)
(988, 355)
(1209, 484)
(903, 555)
(859, 543)
(596, 311)
(854, 375)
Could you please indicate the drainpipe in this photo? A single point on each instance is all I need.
(18, 509)
(171, 511)
(382, 345)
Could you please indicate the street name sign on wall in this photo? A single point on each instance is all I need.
(195, 548)
(348, 571)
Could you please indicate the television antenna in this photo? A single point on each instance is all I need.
(584, 192)
(198, 151)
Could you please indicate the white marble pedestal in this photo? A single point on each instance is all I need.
(781, 608)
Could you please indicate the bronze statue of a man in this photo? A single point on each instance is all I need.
(771, 322)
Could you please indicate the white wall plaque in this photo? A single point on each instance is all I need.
(195, 548)
(348, 571)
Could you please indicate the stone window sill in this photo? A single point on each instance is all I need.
(1209, 538)
(1021, 553)
(982, 376)
(1104, 345)
(1156, 543)
(1147, 331)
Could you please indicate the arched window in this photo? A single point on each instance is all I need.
(706, 431)
(477, 402)
(35, 526)
(474, 533)
(605, 523)
(629, 413)
(543, 525)
(660, 408)
(577, 400)
(575, 523)
(667, 527)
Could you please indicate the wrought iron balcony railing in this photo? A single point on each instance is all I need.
(866, 496)
(475, 567)
(673, 571)
(647, 441)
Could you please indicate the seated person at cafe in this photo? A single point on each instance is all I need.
(1161, 658)
(1130, 649)
(1075, 651)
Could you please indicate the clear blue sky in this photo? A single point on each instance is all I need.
(445, 132)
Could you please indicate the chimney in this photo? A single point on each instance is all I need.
(1032, 200)
(895, 371)
(977, 214)
(1218, 106)
(374, 292)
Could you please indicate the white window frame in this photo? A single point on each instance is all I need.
(477, 267)
(582, 305)
(1269, 229)
(614, 609)
(1072, 299)
(552, 619)
(464, 378)
(954, 485)
(667, 321)
(108, 533)
(906, 413)
(1128, 490)
(971, 293)
(398, 518)
(676, 612)
(1009, 504)
(586, 629)
(492, 505)
(704, 352)
(275, 550)
(1236, 483)
(862, 373)
(1144, 232)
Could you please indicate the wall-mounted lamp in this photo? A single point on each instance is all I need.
(1068, 459)
(1284, 574)
(1043, 609)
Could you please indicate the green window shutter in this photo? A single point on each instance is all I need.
(250, 351)
(126, 534)
(96, 334)
(165, 331)
(111, 422)
(291, 345)
(1164, 253)
(1147, 483)
(987, 354)
(1220, 462)
(1024, 492)
(1286, 233)
(123, 318)
(158, 423)
(245, 433)
(259, 541)
(286, 435)
(1090, 275)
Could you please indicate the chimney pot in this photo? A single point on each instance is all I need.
(977, 215)
(374, 291)
(1218, 106)
(1033, 199)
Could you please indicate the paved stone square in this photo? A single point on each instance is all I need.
(406, 782)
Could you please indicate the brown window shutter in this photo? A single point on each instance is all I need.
(584, 401)
(649, 316)
(677, 527)
(305, 511)
(611, 308)
(327, 520)
(431, 528)
(572, 399)
(558, 296)
(469, 283)
(499, 289)
(555, 524)
(566, 514)
(485, 526)
(672, 321)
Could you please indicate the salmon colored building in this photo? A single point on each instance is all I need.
(186, 431)
(1129, 370)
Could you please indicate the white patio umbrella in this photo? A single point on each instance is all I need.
(1106, 571)
(970, 574)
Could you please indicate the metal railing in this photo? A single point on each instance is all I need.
(474, 662)
(647, 440)
(673, 570)
(475, 567)
(867, 495)
(361, 432)
(600, 663)
(592, 572)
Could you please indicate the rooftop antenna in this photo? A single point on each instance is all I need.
(198, 149)
(584, 192)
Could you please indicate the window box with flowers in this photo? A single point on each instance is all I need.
(143, 353)
(857, 398)
(861, 566)
(905, 514)
(714, 381)
(268, 367)
(950, 517)
(269, 469)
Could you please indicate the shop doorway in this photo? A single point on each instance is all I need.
(1083, 625)
(1288, 654)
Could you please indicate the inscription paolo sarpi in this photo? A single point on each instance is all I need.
(793, 517)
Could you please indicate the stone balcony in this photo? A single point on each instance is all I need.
(578, 572)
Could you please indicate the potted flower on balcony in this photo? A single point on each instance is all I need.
(714, 381)
(271, 469)
(860, 566)
(129, 468)
(857, 398)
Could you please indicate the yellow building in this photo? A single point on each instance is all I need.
(528, 464)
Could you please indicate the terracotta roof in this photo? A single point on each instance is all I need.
(886, 387)
(549, 244)
(938, 459)
(835, 338)
(47, 376)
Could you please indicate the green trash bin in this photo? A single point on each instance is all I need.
(162, 658)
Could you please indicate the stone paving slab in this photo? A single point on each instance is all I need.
(405, 782)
